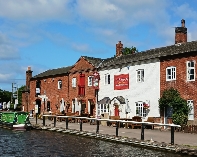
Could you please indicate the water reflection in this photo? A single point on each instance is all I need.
(52, 144)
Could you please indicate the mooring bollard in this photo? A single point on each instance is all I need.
(54, 121)
(43, 118)
(117, 124)
(172, 135)
(66, 122)
(142, 132)
(97, 126)
(81, 124)
(36, 118)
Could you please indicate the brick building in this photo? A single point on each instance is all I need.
(178, 69)
(71, 86)
(149, 72)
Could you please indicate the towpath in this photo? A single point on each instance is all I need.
(156, 135)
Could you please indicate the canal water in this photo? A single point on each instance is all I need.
(37, 143)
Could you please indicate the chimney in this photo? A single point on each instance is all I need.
(28, 77)
(119, 48)
(181, 33)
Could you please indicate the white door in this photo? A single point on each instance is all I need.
(191, 106)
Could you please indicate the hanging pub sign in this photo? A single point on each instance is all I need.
(95, 80)
(121, 82)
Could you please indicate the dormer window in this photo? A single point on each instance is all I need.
(59, 84)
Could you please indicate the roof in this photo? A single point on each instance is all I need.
(152, 53)
(53, 72)
(94, 61)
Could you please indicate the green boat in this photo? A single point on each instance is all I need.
(15, 120)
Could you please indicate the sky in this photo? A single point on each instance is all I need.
(50, 34)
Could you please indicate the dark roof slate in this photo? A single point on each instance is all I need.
(152, 53)
(53, 72)
(94, 61)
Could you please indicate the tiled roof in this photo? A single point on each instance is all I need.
(152, 53)
(53, 72)
(94, 61)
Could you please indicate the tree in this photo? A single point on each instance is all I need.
(5, 96)
(128, 50)
(171, 98)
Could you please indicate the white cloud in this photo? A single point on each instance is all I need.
(35, 9)
(7, 48)
(81, 47)
(185, 11)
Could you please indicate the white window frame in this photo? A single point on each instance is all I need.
(172, 75)
(90, 80)
(103, 108)
(74, 82)
(107, 79)
(140, 75)
(59, 84)
(190, 68)
(190, 103)
(140, 107)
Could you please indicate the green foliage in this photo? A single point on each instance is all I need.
(128, 50)
(171, 97)
(22, 88)
(5, 96)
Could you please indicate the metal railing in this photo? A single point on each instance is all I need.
(143, 124)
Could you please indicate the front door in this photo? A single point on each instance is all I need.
(38, 102)
(116, 110)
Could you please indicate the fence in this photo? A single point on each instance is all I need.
(80, 119)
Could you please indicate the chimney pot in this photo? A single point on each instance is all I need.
(183, 23)
(29, 68)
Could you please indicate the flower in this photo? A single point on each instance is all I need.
(145, 105)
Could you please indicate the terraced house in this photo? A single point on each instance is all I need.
(64, 90)
(124, 85)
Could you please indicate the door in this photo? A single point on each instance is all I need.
(191, 106)
(116, 110)
(38, 102)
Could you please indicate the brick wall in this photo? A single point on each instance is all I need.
(82, 67)
(49, 86)
(187, 89)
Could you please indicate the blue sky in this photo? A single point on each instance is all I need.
(49, 34)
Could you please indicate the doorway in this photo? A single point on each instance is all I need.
(38, 102)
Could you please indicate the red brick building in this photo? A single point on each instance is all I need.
(71, 86)
(178, 69)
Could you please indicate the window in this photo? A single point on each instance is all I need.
(170, 73)
(59, 84)
(140, 75)
(140, 109)
(107, 79)
(191, 112)
(90, 79)
(190, 71)
(103, 108)
(74, 82)
(38, 85)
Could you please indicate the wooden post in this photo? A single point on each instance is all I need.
(97, 126)
(66, 122)
(43, 120)
(55, 121)
(142, 132)
(172, 135)
(81, 124)
(117, 124)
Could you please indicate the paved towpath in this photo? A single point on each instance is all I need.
(156, 135)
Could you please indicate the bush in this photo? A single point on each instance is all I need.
(171, 97)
